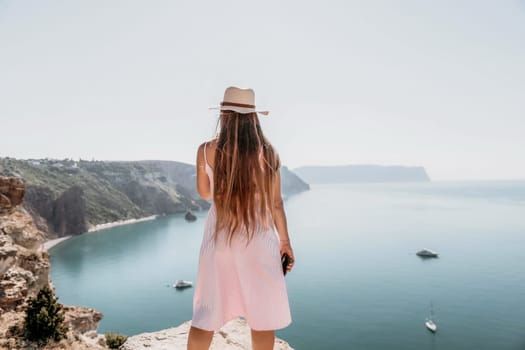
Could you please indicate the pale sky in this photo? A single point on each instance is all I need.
(439, 84)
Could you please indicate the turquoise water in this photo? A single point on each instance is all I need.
(357, 283)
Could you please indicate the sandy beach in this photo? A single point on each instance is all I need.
(52, 242)
(119, 223)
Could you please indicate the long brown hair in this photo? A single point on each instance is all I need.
(244, 175)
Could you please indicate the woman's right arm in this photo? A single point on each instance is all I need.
(279, 219)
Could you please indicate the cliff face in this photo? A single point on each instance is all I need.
(24, 270)
(67, 197)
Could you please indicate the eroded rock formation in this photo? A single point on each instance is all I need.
(11, 194)
(24, 270)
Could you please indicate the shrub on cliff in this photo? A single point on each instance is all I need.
(44, 319)
(115, 340)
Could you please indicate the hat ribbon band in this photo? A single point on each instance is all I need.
(237, 104)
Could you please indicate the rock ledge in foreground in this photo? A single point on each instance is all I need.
(233, 335)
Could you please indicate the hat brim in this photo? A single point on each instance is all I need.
(239, 109)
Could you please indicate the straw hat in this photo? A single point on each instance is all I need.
(239, 100)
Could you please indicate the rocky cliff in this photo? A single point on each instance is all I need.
(24, 270)
(67, 197)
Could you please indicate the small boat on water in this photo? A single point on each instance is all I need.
(431, 326)
(427, 253)
(180, 284)
(429, 323)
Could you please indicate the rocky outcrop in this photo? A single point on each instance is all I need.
(82, 319)
(18, 226)
(190, 216)
(24, 270)
(11, 193)
(233, 335)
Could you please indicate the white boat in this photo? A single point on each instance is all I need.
(427, 253)
(182, 284)
(431, 326)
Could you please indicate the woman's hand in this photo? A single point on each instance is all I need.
(287, 248)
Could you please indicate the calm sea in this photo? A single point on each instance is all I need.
(357, 283)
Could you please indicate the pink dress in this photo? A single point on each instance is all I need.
(239, 281)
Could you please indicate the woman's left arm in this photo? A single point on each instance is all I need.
(203, 182)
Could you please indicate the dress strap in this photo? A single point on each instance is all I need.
(205, 160)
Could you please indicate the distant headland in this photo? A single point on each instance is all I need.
(362, 173)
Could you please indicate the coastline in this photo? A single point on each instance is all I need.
(119, 223)
(52, 242)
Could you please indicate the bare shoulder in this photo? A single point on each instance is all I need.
(207, 144)
(207, 150)
(212, 143)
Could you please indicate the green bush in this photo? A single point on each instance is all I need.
(115, 340)
(44, 319)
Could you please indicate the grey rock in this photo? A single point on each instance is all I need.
(233, 335)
